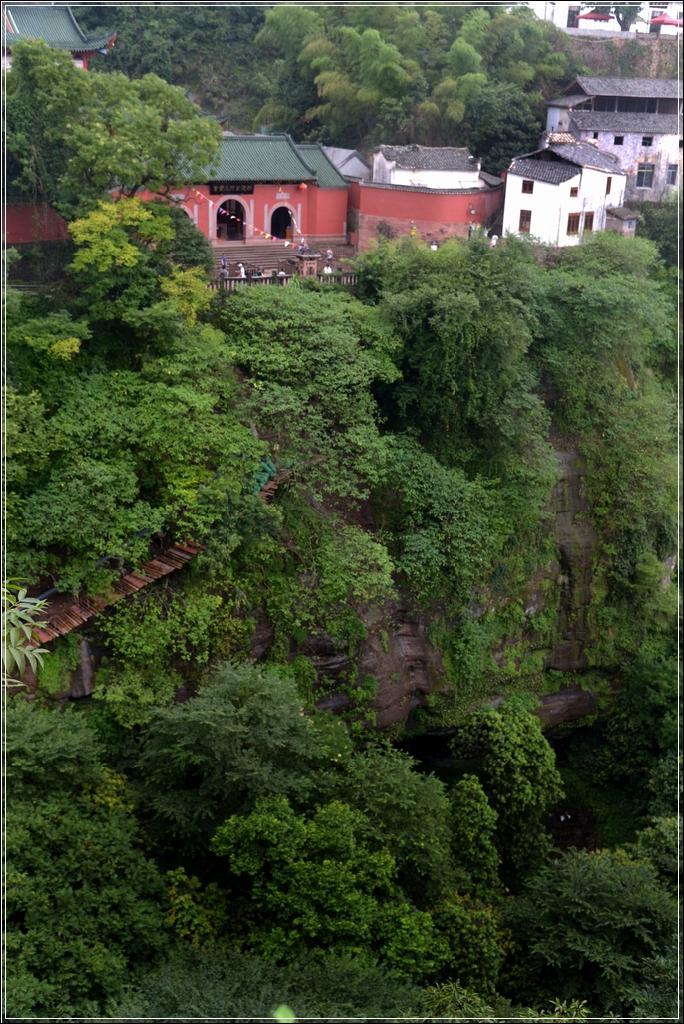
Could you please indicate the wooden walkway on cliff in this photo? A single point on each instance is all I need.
(65, 612)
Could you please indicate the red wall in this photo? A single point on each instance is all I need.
(316, 212)
(432, 214)
(28, 223)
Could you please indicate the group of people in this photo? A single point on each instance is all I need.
(242, 273)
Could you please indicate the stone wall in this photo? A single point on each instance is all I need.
(634, 56)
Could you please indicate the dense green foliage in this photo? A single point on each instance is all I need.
(595, 925)
(520, 777)
(200, 837)
(83, 902)
(355, 76)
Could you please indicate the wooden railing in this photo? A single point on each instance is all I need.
(232, 284)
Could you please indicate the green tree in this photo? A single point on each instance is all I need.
(473, 830)
(500, 122)
(470, 932)
(590, 925)
(20, 618)
(520, 778)
(659, 844)
(407, 812)
(624, 14)
(318, 881)
(310, 360)
(76, 137)
(659, 222)
(223, 982)
(83, 905)
(244, 736)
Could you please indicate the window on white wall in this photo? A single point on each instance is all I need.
(672, 174)
(645, 175)
(618, 140)
(525, 221)
(528, 187)
(647, 141)
(573, 223)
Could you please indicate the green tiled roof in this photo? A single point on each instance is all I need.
(327, 174)
(259, 158)
(55, 24)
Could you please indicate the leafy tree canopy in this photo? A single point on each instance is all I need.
(83, 902)
(591, 925)
(520, 778)
(244, 736)
(76, 137)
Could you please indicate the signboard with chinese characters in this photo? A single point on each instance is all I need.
(222, 188)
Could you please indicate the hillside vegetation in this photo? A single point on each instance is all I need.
(355, 76)
(204, 836)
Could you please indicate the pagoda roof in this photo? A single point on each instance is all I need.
(274, 158)
(55, 24)
(327, 175)
(259, 158)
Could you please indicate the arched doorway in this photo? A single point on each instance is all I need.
(230, 221)
(281, 222)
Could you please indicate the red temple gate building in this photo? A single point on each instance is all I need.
(266, 188)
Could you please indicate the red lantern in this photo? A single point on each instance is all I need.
(302, 186)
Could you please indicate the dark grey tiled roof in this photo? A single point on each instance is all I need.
(490, 179)
(607, 121)
(667, 88)
(428, 158)
(567, 101)
(586, 155)
(622, 213)
(555, 172)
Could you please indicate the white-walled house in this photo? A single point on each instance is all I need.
(439, 167)
(638, 120)
(560, 193)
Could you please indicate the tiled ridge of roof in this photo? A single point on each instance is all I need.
(567, 101)
(622, 213)
(554, 172)
(259, 158)
(665, 88)
(54, 23)
(327, 175)
(474, 190)
(613, 121)
(431, 158)
(586, 155)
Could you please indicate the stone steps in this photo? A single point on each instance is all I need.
(272, 256)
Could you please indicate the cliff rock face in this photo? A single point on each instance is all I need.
(406, 666)
(397, 654)
(575, 539)
(627, 55)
